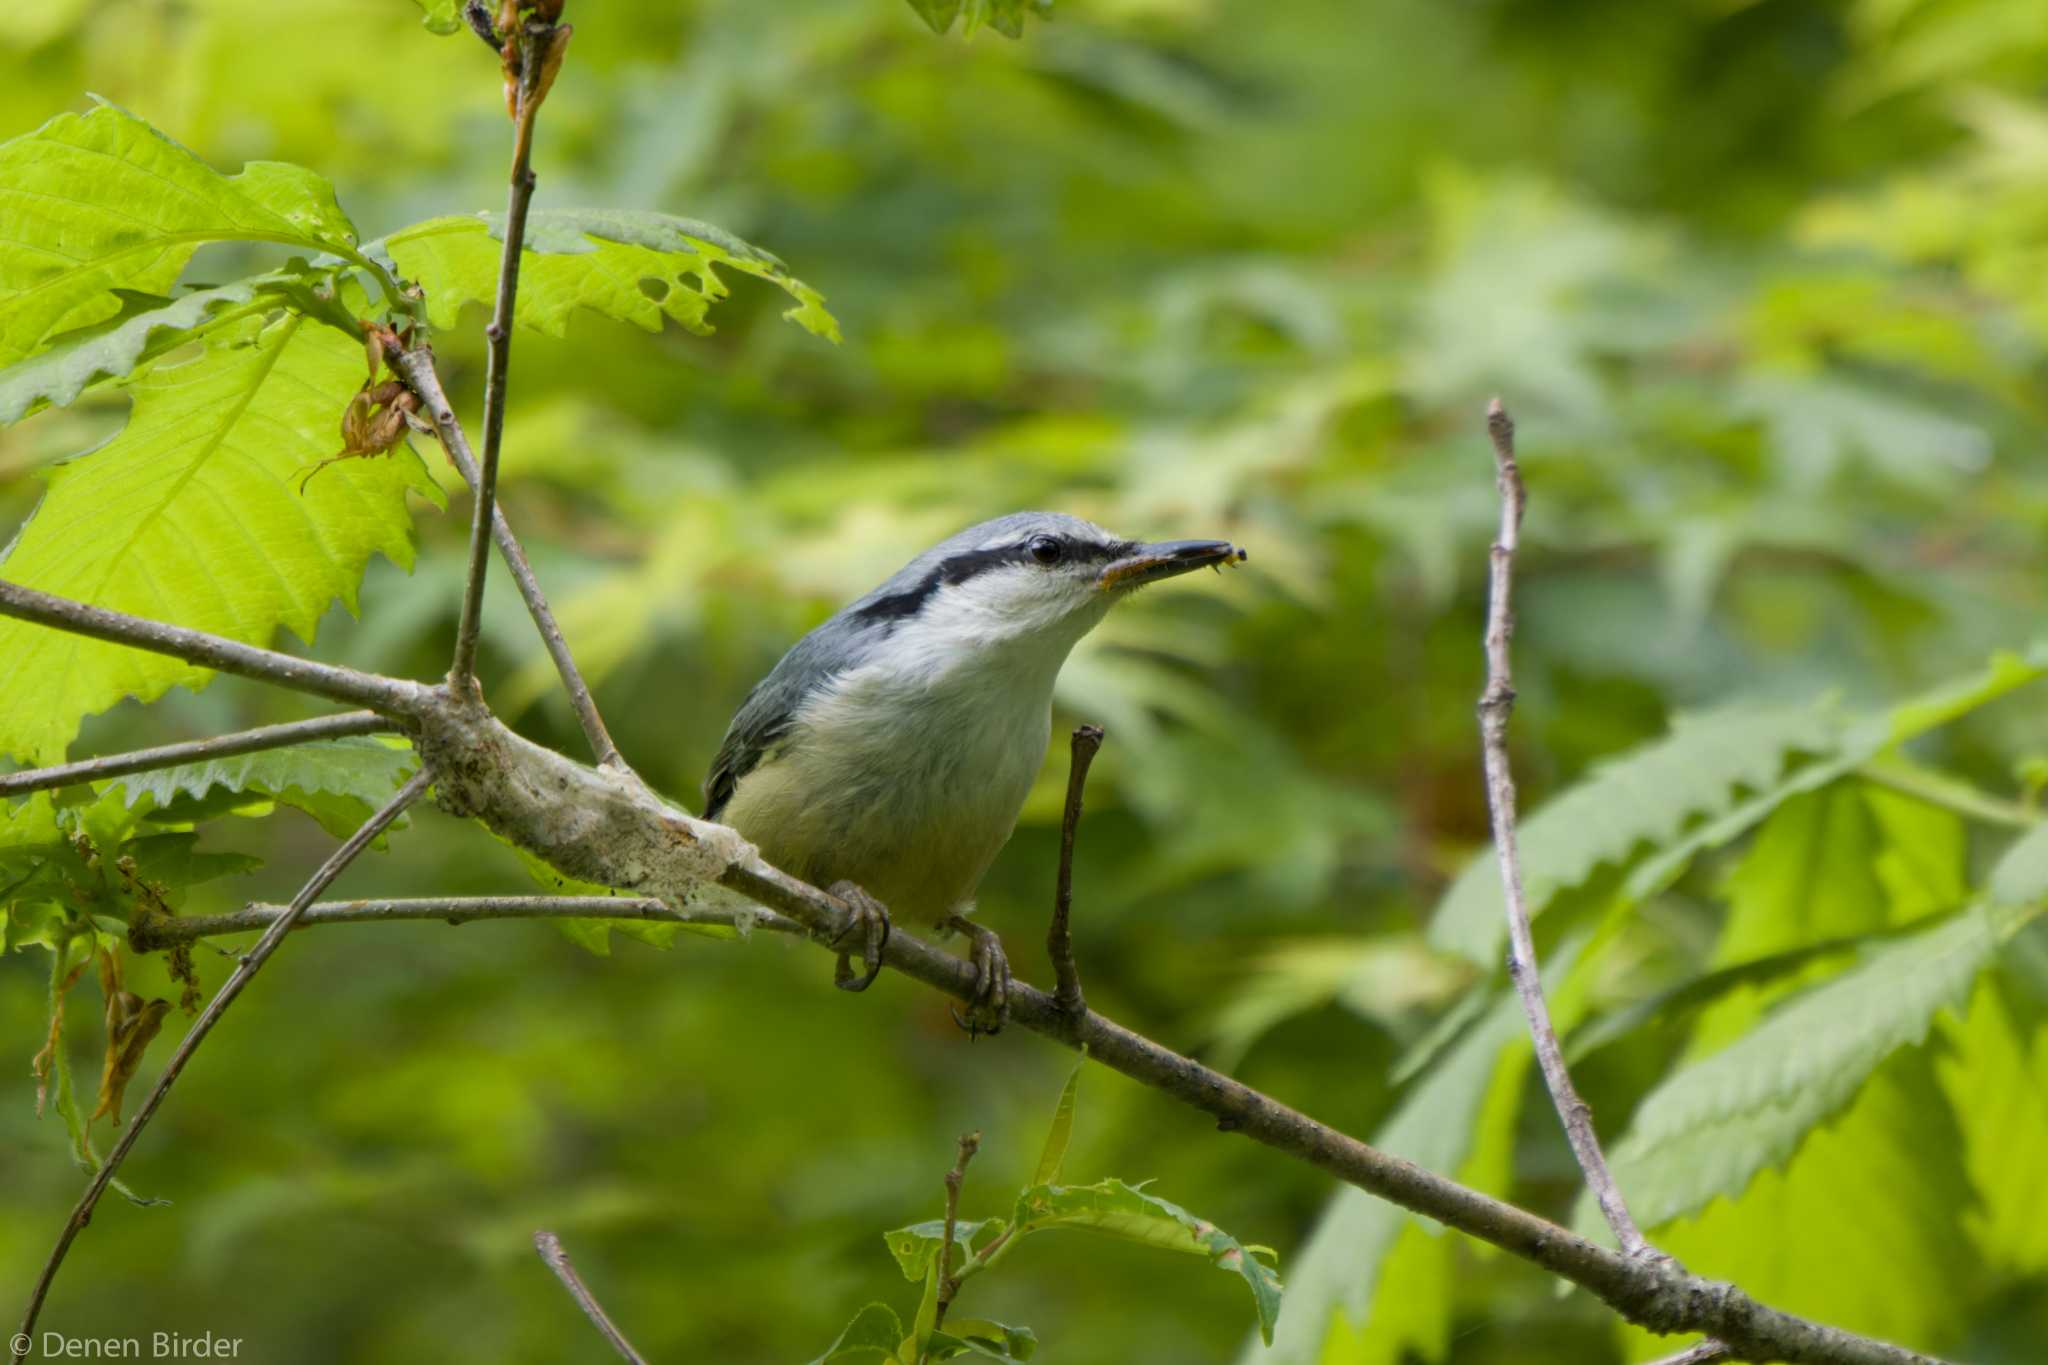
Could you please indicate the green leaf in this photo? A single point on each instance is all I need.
(441, 16)
(1995, 1075)
(630, 265)
(145, 328)
(2020, 877)
(339, 782)
(1861, 1231)
(94, 203)
(194, 515)
(1120, 1210)
(1641, 800)
(1004, 16)
(1062, 1131)
(1810, 876)
(983, 1338)
(872, 1335)
(1711, 1126)
(915, 1247)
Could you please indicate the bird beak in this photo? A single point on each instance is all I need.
(1164, 559)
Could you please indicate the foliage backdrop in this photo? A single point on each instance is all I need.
(1764, 284)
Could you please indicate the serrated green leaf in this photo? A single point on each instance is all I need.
(595, 259)
(938, 14)
(146, 327)
(1004, 16)
(1810, 876)
(916, 1246)
(1120, 1210)
(1054, 1154)
(2020, 877)
(194, 515)
(339, 782)
(99, 202)
(1638, 801)
(1860, 1231)
(1711, 1126)
(872, 1335)
(441, 16)
(1995, 1074)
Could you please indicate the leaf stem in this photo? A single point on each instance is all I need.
(949, 1283)
(251, 963)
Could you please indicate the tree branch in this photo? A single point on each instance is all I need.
(1495, 705)
(1705, 1353)
(251, 963)
(162, 931)
(530, 47)
(595, 825)
(1059, 940)
(393, 697)
(416, 366)
(550, 1248)
(194, 751)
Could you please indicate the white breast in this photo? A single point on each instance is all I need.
(906, 774)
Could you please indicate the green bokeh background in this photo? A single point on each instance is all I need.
(1766, 285)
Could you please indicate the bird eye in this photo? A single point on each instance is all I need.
(1047, 549)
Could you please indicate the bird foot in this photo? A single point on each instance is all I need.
(989, 1010)
(870, 920)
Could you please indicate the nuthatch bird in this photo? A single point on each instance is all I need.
(887, 756)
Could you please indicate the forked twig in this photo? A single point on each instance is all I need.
(949, 1284)
(550, 1248)
(251, 963)
(163, 931)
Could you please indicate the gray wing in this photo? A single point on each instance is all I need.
(770, 709)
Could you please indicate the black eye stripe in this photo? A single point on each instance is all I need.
(969, 564)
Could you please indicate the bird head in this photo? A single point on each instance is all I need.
(1029, 577)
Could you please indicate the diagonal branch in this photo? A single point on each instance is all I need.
(595, 825)
(163, 931)
(551, 1251)
(532, 48)
(251, 963)
(1495, 705)
(417, 368)
(194, 751)
(387, 696)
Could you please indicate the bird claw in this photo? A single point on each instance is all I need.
(870, 919)
(989, 1010)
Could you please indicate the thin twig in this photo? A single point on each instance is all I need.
(417, 368)
(251, 963)
(550, 1248)
(162, 931)
(387, 696)
(194, 751)
(498, 357)
(1705, 1353)
(970, 1143)
(1495, 705)
(1059, 940)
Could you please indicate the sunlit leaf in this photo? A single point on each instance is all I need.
(195, 514)
(873, 1335)
(99, 202)
(633, 266)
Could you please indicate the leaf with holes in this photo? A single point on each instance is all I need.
(96, 203)
(194, 514)
(629, 265)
